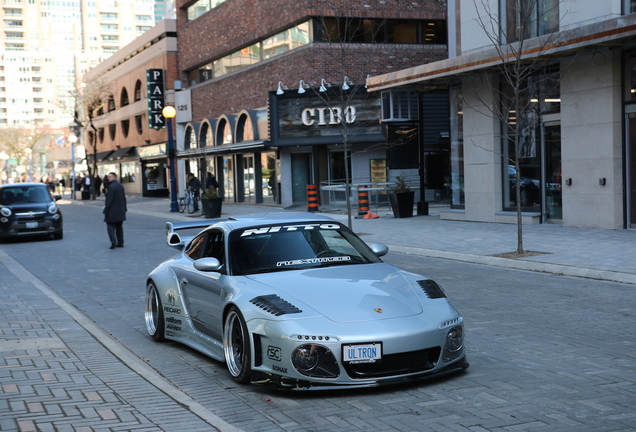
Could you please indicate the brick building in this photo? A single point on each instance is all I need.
(250, 107)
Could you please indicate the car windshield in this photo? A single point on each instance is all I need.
(274, 248)
(24, 194)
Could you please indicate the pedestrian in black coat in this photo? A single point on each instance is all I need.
(115, 211)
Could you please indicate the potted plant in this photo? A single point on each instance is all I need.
(402, 199)
(211, 203)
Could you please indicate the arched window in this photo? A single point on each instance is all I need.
(124, 97)
(125, 126)
(137, 91)
(112, 131)
(100, 135)
(139, 124)
(111, 103)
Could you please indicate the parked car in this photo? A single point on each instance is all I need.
(530, 184)
(29, 209)
(298, 301)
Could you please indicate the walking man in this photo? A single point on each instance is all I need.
(115, 211)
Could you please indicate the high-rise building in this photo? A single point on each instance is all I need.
(47, 46)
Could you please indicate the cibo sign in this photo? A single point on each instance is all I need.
(327, 116)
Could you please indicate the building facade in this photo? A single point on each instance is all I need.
(272, 94)
(127, 141)
(47, 46)
(574, 117)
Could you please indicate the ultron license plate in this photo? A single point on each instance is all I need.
(362, 353)
(31, 225)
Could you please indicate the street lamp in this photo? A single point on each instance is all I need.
(72, 139)
(169, 113)
(29, 164)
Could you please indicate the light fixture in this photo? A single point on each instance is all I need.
(365, 83)
(346, 83)
(281, 88)
(302, 87)
(323, 85)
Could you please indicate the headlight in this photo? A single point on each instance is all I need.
(315, 361)
(52, 208)
(454, 343)
(5, 211)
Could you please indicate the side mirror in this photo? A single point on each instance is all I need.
(208, 265)
(380, 249)
(57, 197)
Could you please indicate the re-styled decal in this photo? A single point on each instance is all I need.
(313, 261)
(274, 353)
(279, 369)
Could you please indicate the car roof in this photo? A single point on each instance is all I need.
(29, 184)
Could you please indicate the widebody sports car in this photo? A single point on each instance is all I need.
(299, 301)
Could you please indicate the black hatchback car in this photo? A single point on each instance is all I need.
(29, 209)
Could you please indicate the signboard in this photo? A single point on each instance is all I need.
(183, 105)
(316, 116)
(156, 88)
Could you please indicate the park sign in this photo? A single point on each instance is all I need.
(156, 87)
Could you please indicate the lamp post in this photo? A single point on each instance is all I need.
(169, 112)
(29, 153)
(72, 139)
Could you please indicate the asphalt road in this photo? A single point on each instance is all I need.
(547, 353)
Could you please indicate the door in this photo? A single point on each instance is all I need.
(630, 171)
(202, 290)
(552, 178)
(301, 176)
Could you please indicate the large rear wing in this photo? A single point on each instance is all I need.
(176, 240)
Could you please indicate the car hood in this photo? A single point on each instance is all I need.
(30, 206)
(349, 293)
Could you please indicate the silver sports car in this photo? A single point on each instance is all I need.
(299, 301)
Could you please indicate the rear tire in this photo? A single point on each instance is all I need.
(182, 205)
(191, 205)
(236, 344)
(155, 323)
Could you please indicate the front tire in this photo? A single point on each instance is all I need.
(182, 205)
(236, 344)
(155, 323)
(191, 205)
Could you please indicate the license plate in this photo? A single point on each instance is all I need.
(31, 225)
(362, 353)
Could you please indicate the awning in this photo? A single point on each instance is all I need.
(121, 153)
(252, 146)
(100, 156)
(615, 32)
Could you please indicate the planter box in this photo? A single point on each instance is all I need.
(211, 207)
(402, 204)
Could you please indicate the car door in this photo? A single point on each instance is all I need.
(202, 290)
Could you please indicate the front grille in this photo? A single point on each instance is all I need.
(396, 364)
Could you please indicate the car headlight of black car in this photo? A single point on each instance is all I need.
(315, 361)
(52, 208)
(454, 343)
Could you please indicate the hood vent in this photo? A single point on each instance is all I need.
(431, 289)
(274, 305)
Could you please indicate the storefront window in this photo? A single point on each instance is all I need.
(128, 172)
(540, 95)
(457, 148)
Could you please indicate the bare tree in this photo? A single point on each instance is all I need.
(344, 79)
(523, 74)
(90, 102)
(20, 142)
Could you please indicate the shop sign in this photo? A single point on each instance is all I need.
(155, 87)
(311, 117)
(151, 150)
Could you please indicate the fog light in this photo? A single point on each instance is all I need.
(4, 220)
(315, 361)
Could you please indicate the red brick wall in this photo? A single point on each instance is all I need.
(237, 23)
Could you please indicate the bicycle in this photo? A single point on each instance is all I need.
(188, 202)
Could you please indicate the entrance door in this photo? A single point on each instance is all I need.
(301, 176)
(630, 169)
(552, 178)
